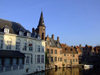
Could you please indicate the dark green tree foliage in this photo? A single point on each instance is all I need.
(46, 58)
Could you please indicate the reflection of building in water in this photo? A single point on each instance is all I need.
(63, 71)
(21, 52)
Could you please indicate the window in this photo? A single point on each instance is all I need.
(73, 60)
(60, 59)
(25, 46)
(55, 58)
(42, 36)
(18, 46)
(42, 58)
(73, 55)
(65, 60)
(8, 45)
(21, 61)
(30, 47)
(76, 60)
(20, 33)
(55, 51)
(27, 60)
(38, 48)
(51, 51)
(1, 44)
(14, 61)
(28, 34)
(38, 58)
(31, 59)
(42, 49)
(6, 30)
(7, 62)
(47, 50)
(51, 59)
(64, 54)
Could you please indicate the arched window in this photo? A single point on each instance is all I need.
(42, 36)
(8, 45)
(6, 30)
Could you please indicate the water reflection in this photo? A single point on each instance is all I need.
(63, 71)
(70, 71)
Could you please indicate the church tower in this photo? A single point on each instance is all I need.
(41, 27)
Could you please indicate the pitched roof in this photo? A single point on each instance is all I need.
(68, 49)
(13, 26)
(53, 43)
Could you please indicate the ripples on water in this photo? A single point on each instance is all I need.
(70, 71)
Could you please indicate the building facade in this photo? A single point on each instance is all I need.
(23, 51)
(70, 56)
(54, 52)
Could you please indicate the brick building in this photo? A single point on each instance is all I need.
(54, 54)
(69, 55)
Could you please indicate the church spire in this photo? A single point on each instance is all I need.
(41, 21)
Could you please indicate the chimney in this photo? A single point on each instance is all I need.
(57, 38)
(33, 30)
(47, 37)
(53, 36)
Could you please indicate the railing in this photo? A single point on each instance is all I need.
(15, 67)
(10, 68)
(7, 68)
(21, 66)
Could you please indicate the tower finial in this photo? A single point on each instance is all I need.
(41, 21)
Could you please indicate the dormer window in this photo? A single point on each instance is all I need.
(6, 29)
(38, 37)
(20, 33)
(28, 34)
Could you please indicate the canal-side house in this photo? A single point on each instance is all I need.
(70, 56)
(96, 50)
(21, 52)
(79, 51)
(54, 52)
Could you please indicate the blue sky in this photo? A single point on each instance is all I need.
(74, 21)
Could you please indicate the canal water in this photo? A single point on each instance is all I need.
(70, 71)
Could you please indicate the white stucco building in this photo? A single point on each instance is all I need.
(21, 52)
